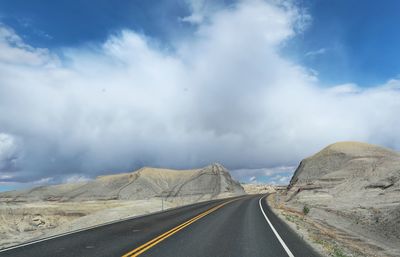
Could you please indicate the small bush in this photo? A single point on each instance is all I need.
(306, 209)
(339, 253)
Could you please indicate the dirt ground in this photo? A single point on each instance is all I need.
(330, 232)
(28, 221)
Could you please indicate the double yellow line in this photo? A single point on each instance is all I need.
(139, 250)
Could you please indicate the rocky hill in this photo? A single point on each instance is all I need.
(355, 188)
(360, 166)
(210, 182)
(50, 210)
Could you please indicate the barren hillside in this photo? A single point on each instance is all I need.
(209, 182)
(353, 190)
(42, 211)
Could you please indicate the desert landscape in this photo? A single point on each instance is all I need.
(251, 188)
(116, 115)
(346, 199)
(50, 210)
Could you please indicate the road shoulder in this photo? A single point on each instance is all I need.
(320, 239)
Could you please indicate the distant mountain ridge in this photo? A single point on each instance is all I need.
(213, 181)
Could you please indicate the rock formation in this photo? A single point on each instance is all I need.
(210, 182)
(355, 187)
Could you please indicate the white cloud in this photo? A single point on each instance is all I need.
(284, 180)
(263, 175)
(8, 153)
(316, 52)
(280, 180)
(199, 10)
(15, 52)
(253, 179)
(344, 89)
(225, 95)
(45, 180)
(278, 170)
(5, 177)
(76, 178)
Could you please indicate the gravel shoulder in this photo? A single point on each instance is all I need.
(328, 231)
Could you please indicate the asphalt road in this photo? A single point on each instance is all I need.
(224, 228)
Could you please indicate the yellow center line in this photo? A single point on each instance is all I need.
(139, 250)
(168, 232)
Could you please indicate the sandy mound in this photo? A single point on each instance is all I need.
(47, 210)
(354, 187)
(211, 182)
(20, 222)
(368, 164)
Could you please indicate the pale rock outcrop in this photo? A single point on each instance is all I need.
(211, 182)
(48, 210)
(354, 187)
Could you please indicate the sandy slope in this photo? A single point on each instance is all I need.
(206, 183)
(22, 222)
(353, 190)
(48, 210)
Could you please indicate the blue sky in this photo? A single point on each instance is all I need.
(360, 40)
(47, 23)
(347, 40)
(97, 87)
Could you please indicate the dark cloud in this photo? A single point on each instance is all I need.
(225, 95)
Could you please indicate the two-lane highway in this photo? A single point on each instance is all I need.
(237, 227)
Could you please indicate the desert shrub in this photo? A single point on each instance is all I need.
(339, 253)
(306, 209)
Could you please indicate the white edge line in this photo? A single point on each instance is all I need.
(96, 226)
(274, 230)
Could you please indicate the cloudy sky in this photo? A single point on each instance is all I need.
(93, 88)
